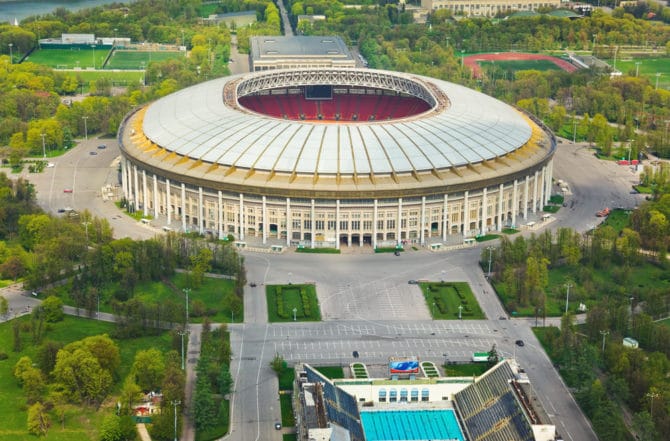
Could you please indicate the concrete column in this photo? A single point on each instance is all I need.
(337, 224)
(548, 178)
(136, 188)
(289, 222)
(312, 223)
(155, 196)
(145, 198)
(501, 192)
(422, 238)
(219, 215)
(242, 223)
(374, 224)
(542, 185)
(265, 222)
(535, 182)
(183, 206)
(525, 198)
(485, 208)
(515, 202)
(445, 218)
(466, 214)
(168, 201)
(201, 212)
(124, 177)
(398, 221)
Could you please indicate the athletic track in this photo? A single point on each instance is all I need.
(472, 61)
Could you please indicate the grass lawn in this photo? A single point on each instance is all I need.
(444, 298)
(487, 237)
(318, 250)
(282, 300)
(465, 370)
(69, 58)
(212, 294)
(618, 219)
(510, 231)
(289, 437)
(286, 379)
(139, 59)
(332, 372)
(648, 68)
(81, 423)
(286, 403)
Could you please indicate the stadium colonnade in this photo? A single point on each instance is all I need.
(201, 161)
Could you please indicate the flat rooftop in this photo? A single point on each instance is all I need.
(270, 47)
(414, 425)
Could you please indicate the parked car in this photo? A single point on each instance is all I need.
(413, 282)
(102, 146)
(519, 343)
(92, 153)
(67, 190)
(278, 425)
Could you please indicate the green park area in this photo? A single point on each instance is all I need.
(214, 298)
(69, 421)
(117, 78)
(332, 372)
(451, 300)
(288, 303)
(124, 59)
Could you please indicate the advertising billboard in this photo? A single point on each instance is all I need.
(404, 365)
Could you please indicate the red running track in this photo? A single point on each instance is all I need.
(472, 61)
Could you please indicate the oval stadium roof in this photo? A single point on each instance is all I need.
(196, 122)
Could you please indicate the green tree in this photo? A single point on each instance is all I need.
(38, 420)
(225, 380)
(53, 309)
(79, 373)
(130, 392)
(204, 407)
(278, 364)
(4, 306)
(148, 369)
(200, 264)
(110, 430)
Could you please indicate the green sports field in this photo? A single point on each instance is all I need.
(138, 59)
(517, 65)
(648, 67)
(69, 58)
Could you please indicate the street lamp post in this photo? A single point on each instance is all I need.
(567, 296)
(295, 310)
(93, 46)
(637, 68)
(85, 118)
(182, 333)
(11, 53)
(289, 277)
(460, 310)
(443, 272)
(44, 150)
(604, 334)
(434, 309)
(574, 130)
(183, 40)
(187, 292)
(490, 248)
(175, 403)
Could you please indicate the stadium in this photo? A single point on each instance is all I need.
(331, 157)
(496, 406)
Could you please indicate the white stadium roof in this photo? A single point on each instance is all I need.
(472, 127)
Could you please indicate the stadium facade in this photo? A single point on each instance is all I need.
(335, 157)
(488, 8)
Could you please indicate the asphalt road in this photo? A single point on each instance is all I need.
(366, 302)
